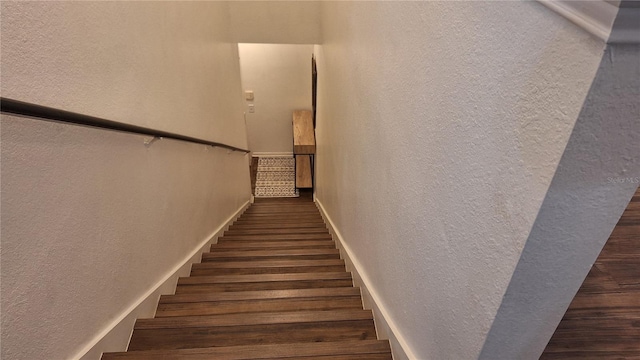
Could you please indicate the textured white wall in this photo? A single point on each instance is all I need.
(440, 127)
(93, 219)
(164, 65)
(280, 77)
(275, 22)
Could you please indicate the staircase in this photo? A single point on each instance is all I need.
(273, 287)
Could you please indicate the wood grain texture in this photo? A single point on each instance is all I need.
(256, 295)
(273, 287)
(295, 350)
(261, 305)
(267, 267)
(206, 336)
(304, 141)
(304, 179)
(603, 320)
(262, 245)
(273, 254)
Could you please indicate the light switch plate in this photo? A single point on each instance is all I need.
(248, 95)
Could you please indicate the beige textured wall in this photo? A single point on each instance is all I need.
(275, 22)
(280, 77)
(440, 127)
(165, 65)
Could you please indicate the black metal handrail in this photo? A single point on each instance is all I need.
(47, 113)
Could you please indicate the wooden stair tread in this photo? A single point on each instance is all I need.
(228, 242)
(280, 210)
(255, 295)
(277, 226)
(322, 236)
(282, 216)
(279, 351)
(259, 305)
(206, 287)
(277, 231)
(280, 221)
(270, 253)
(286, 317)
(267, 267)
(298, 244)
(184, 338)
(267, 263)
(262, 278)
(268, 257)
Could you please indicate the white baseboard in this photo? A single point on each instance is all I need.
(116, 335)
(273, 154)
(386, 328)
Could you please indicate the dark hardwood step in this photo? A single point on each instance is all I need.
(276, 237)
(264, 245)
(272, 254)
(297, 203)
(257, 295)
(284, 216)
(241, 329)
(291, 223)
(316, 230)
(370, 349)
(200, 284)
(281, 219)
(267, 318)
(282, 210)
(260, 305)
(276, 333)
(252, 226)
(267, 267)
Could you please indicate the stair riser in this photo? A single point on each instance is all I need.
(274, 285)
(267, 264)
(223, 243)
(316, 220)
(277, 270)
(282, 210)
(253, 306)
(262, 295)
(278, 226)
(277, 231)
(259, 334)
(282, 217)
(154, 356)
(275, 237)
(267, 246)
(269, 258)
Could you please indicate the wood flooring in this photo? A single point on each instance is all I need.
(273, 287)
(603, 321)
